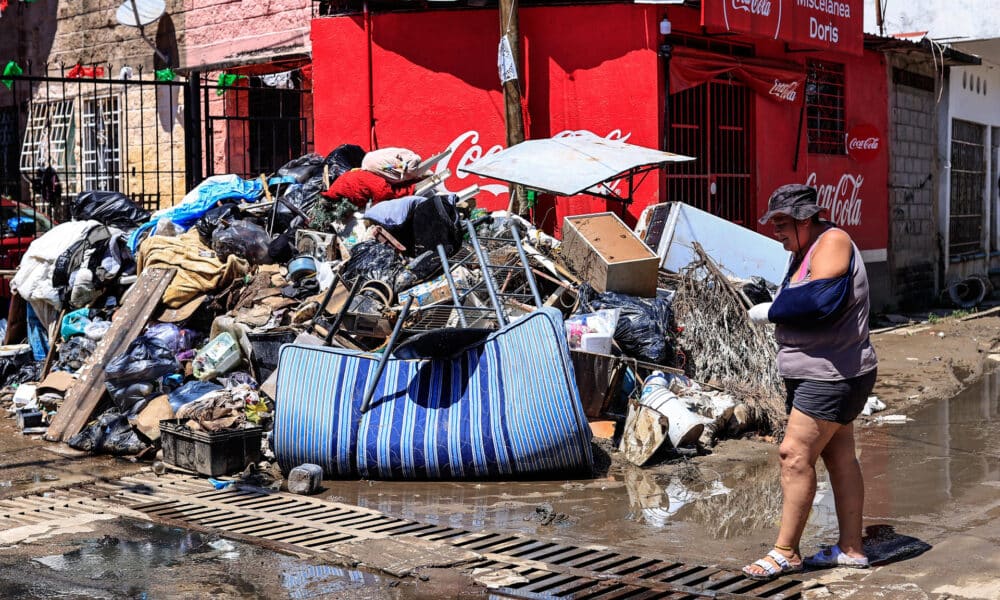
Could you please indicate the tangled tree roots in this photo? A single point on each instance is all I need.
(723, 346)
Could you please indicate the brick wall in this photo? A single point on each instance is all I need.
(913, 174)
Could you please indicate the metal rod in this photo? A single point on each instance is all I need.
(343, 311)
(487, 276)
(326, 300)
(527, 267)
(373, 382)
(451, 284)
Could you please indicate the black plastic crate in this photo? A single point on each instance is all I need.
(211, 453)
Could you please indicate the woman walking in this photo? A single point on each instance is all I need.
(829, 367)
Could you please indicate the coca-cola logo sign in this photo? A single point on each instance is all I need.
(763, 13)
(843, 198)
(787, 91)
(754, 7)
(863, 142)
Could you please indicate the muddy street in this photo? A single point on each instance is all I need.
(931, 496)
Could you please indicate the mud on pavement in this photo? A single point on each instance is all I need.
(931, 497)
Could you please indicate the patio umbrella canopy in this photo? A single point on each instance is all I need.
(570, 165)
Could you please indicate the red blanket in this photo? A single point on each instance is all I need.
(360, 186)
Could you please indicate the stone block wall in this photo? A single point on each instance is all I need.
(48, 37)
(913, 179)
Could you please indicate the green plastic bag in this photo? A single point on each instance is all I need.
(74, 323)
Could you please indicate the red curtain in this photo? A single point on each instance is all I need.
(780, 82)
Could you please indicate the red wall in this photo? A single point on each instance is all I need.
(434, 84)
(856, 192)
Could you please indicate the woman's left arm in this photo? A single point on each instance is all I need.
(832, 256)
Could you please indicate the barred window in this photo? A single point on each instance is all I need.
(102, 152)
(825, 107)
(48, 133)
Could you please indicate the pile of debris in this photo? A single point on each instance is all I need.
(354, 294)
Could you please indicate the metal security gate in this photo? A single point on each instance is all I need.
(712, 122)
(968, 186)
(255, 122)
(90, 129)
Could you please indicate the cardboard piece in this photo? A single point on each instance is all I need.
(57, 381)
(148, 420)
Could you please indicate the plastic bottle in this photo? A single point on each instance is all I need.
(218, 357)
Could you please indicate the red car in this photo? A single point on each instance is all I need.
(19, 226)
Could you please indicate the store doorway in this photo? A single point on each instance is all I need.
(712, 122)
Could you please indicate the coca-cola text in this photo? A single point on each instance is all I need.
(754, 7)
(785, 91)
(842, 199)
(870, 143)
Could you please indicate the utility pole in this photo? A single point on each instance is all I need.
(879, 17)
(513, 117)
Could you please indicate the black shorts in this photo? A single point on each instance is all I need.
(839, 401)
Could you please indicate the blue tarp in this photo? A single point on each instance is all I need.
(199, 200)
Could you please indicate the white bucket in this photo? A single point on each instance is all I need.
(19, 353)
(685, 426)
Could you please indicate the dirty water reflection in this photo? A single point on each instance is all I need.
(137, 559)
(946, 449)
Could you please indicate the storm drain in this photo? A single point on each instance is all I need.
(543, 569)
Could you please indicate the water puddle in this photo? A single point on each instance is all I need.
(944, 451)
(137, 559)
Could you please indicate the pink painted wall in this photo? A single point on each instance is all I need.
(222, 30)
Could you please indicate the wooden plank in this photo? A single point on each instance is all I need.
(137, 306)
(53, 337)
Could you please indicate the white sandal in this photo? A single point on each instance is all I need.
(835, 557)
(779, 567)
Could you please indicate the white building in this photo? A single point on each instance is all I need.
(970, 149)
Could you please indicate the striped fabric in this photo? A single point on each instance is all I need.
(508, 407)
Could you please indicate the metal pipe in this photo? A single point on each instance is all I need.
(487, 277)
(343, 310)
(373, 382)
(326, 300)
(527, 267)
(451, 284)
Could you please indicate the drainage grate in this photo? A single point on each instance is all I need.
(312, 526)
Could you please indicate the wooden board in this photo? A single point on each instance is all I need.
(137, 306)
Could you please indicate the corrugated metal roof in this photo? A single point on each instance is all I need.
(566, 166)
(925, 45)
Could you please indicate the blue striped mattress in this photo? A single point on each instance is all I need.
(508, 407)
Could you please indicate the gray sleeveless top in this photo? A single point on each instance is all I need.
(838, 350)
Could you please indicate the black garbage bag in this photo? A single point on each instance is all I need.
(301, 195)
(343, 158)
(110, 433)
(372, 259)
(303, 168)
(134, 376)
(244, 239)
(644, 325)
(113, 209)
(12, 373)
(210, 221)
(436, 221)
(74, 352)
(420, 269)
(758, 290)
